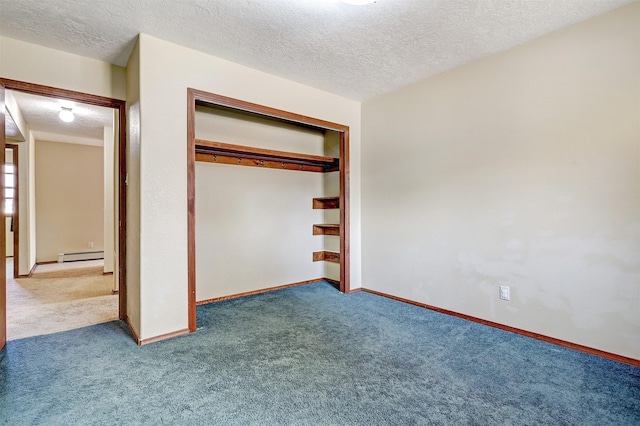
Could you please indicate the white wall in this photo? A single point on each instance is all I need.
(36, 64)
(28, 227)
(12, 107)
(522, 169)
(254, 225)
(69, 199)
(109, 182)
(166, 71)
(331, 185)
(9, 236)
(133, 188)
(26, 200)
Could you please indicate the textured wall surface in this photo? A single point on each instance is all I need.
(134, 297)
(522, 170)
(253, 225)
(41, 65)
(69, 199)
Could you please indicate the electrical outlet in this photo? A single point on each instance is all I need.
(90, 244)
(505, 292)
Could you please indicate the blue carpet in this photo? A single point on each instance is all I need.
(311, 355)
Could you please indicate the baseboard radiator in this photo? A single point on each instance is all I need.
(80, 255)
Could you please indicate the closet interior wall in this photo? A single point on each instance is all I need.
(253, 224)
(331, 187)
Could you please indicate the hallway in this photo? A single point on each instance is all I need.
(59, 297)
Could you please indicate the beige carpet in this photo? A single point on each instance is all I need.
(59, 297)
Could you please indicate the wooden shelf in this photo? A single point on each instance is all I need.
(326, 229)
(327, 256)
(326, 203)
(224, 153)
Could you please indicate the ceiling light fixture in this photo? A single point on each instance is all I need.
(66, 115)
(358, 2)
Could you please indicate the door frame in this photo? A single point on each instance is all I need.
(85, 98)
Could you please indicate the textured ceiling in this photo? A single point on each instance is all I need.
(355, 51)
(41, 114)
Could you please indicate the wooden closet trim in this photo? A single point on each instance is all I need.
(225, 153)
(211, 99)
(202, 98)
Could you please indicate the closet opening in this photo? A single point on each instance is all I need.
(281, 220)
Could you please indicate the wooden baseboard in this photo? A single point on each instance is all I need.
(173, 334)
(33, 268)
(335, 283)
(115, 292)
(133, 330)
(178, 333)
(264, 290)
(107, 273)
(150, 340)
(553, 340)
(46, 262)
(142, 342)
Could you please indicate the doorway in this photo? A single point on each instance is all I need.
(120, 187)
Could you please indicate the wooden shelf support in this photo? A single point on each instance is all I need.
(225, 153)
(326, 203)
(327, 256)
(326, 229)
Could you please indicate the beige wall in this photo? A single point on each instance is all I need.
(9, 236)
(331, 188)
(26, 199)
(36, 64)
(166, 71)
(11, 106)
(69, 199)
(253, 225)
(522, 169)
(28, 227)
(133, 189)
(110, 144)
